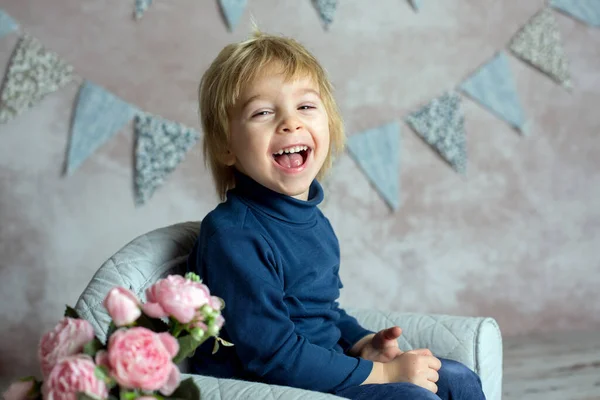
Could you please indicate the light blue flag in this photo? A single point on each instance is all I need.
(160, 146)
(377, 153)
(326, 10)
(7, 24)
(232, 11)
(441, 124)
(493, 86)
(587, 11)
(99, 114)
(416, 4)
(140, 7)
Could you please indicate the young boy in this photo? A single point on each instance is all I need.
(271, 127)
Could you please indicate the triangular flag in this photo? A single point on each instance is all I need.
(232, 11)
(326, 9)
(160, 146)
(587, 11)
(377, 152)
(32, 74)
(539, 44)
(7, 24)
(493, 85)
(140, 8)
(99, 114)
(416, 4)
(441, 124)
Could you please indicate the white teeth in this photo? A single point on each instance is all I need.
(294, 149)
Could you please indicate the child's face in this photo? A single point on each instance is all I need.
(279, 133)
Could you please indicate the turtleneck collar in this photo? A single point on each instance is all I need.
(277, 205)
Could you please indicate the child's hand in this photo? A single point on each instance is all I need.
(415, 366)
(383, 346)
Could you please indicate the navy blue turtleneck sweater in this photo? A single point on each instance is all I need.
(275, 260)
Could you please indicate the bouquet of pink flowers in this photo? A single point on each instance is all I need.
(143, 345)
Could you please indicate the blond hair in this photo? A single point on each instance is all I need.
(234, 68)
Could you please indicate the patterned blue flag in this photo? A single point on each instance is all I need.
(7, 24)
(416, 4)
(377, 153)
(441, 124)
(232, 11)
(587, 11)
(140, 8)
(99, 115)
(160, 146)
(539, 43)
(33, 73)
(326, 10)
(493, 86)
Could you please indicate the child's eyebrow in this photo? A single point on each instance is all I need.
(298, 92)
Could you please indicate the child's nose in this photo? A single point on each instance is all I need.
(290, 125)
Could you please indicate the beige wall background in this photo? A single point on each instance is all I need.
(517, 239)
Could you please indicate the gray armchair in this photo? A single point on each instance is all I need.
(476, 342)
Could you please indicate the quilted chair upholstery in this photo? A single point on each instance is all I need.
(476, 342)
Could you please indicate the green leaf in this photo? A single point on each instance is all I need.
(92, 347)
(111, 329)
(71, 313)
(85, 396)
(216, 346)
(154, 324)
(187, 390)
(187, 346)
(126, 395)
(224, 342)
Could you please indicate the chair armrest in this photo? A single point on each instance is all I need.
(232, 389)
(473, 341)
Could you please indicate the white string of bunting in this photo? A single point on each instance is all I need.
(161, 145)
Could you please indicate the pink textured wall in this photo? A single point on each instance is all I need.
(516, 240)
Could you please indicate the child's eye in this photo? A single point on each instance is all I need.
(260, 113)
(306, 107)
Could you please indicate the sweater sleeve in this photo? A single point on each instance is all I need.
(241, 268)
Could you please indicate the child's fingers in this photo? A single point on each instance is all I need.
(392, 333)
(381, 338)
(432, 375)
(421, 352)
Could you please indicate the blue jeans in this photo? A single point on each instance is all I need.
(457, 382)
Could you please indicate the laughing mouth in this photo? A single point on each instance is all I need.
(292, 157)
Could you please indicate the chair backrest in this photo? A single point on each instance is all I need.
(136, 266)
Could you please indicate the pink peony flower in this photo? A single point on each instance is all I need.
(142, 359)
(66, 339)
(18, 390)
(177, 297)
(72, 375)
(216, 303)
(122, 306)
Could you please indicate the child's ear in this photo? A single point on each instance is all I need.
(228, 158)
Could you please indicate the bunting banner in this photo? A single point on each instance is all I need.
(587, 11)
(326, 10)
(441, 124)
(160, 146)
(232, 11)
(539, 44)
(493, 86)
(416, 4)
(140, 8)
(99, 114)
(33, 73)
(7, 24)
(377, 153)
